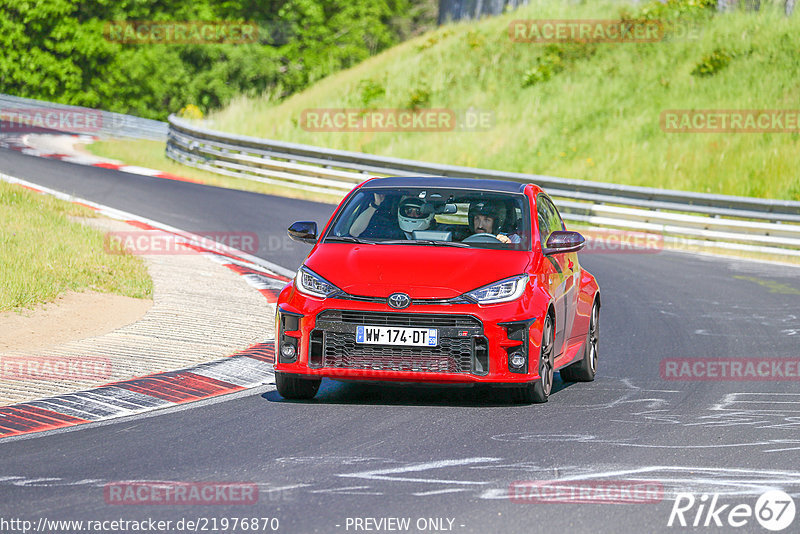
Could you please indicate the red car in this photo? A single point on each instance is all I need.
(439, 280)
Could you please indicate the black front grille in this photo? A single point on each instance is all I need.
(451, 356)
(461, 348)
(420, 320)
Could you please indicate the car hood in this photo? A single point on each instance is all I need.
(420, 271)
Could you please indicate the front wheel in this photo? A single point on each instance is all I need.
(584, 370)
(539, 391)
(296, 388)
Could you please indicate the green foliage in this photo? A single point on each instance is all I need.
(433, 39)
(50, 54)
(794, 190)
(548, 65)
(475, 39)
(712, 63)
(670, 9)
(369, 91)
(554, 59)
(597, 119)
(420, 17)
(55, 50)
(419, 97)
(328, 35)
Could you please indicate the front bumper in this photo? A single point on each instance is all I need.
(475, 341)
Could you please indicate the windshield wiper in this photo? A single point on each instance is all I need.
(423, 242)
(346, 239)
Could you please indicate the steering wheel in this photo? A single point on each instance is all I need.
(481, 238)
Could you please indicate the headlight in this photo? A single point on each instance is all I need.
(502, 291)
(308, 282)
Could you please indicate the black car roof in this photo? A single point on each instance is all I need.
(500, 186)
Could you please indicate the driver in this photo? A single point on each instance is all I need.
(487, 217)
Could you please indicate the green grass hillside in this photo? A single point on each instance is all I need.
(588, 111)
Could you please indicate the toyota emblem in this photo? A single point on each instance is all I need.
(398, 301)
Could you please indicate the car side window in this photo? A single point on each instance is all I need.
(544, 227)
(556, 223)
(549, 219)
(352, 211)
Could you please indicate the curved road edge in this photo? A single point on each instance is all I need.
(242, 370)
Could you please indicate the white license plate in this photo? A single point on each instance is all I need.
(396, 335)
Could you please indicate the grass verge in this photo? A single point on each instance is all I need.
(43, 253)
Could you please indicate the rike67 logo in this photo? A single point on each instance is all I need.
(774, 510)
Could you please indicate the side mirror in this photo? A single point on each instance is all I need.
(304, 232)
(562, 241)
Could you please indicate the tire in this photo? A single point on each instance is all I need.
(539, 390)
(584, 370)
(296, 388)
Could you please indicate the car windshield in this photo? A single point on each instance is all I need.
(434, 217)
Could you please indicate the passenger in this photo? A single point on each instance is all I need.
(377, 221)
(415, 214)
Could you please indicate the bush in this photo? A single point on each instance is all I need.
(419, 98)
(554, 59)
(369, 91)
(712, 63)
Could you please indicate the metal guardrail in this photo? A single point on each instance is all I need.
(691, 219)
(110, 124)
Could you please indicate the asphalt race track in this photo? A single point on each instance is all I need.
(448, 458)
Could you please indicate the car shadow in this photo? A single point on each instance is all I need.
(389, 394)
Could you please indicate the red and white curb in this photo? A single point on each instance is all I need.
(21, 144)
(245, 369)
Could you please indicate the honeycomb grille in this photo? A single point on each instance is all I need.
(451, 356)
(419, 320)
